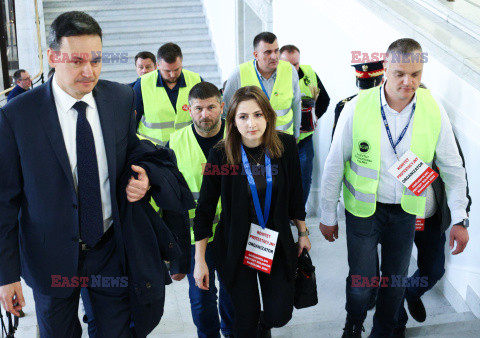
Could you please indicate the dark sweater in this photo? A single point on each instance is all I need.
(232, 231)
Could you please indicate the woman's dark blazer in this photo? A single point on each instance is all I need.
(232, 231)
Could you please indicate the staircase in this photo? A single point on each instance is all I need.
(130, 27)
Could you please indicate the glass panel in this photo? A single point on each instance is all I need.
(10, 51)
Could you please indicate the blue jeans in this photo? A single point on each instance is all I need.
(306, 154)
(395, 229)
(431, 263)
(204, 303)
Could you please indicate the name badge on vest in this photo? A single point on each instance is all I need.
(420, 224)
(413, 173)
(261, 246)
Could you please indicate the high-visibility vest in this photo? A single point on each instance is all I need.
(309, 79)
(361, 175)
(190, 162)
(282, 94)
(160, 119)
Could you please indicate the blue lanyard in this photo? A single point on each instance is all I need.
(402, 134)
(262, 218)
(260, 79)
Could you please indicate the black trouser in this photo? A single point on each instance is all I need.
(277, 296)
(395, 230)
(430, 261)
(58, 317)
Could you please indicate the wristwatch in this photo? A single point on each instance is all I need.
(464, 223)
(304, 233)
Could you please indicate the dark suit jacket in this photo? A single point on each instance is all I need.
(232, 231)
(17, 90)
(39, 223)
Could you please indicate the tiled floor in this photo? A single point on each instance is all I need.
(324, 320)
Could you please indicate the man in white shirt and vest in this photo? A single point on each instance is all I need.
(375, 129)
(278, 80)
(162, 96)
(312, 90)
(192, 146)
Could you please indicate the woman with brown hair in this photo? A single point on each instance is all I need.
(256, 173)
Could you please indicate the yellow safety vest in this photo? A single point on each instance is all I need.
(191, 161)
(282, 94)
(160, 118)
(361, 173)
(309, 79)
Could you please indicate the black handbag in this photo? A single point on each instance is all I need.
(309, 120)
(305, 282)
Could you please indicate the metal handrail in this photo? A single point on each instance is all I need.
(40, 55)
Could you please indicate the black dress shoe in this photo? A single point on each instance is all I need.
(352, 330)
(399, 332)
(417, 310)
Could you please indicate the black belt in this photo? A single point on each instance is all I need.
(106, 236)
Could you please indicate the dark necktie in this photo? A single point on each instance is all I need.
(89, 198)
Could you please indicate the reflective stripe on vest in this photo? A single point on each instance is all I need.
(309, 79)
(190, 161)
(362, 171)
(282, 93)
(160, 119)
(154, 140)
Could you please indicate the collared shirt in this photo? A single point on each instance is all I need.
(234, 83)
(389, 189)
(67, 117)
(172, 93)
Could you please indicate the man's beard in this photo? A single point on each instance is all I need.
(207, 129)
(172, 81)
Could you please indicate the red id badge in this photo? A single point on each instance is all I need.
(420, 224)
(260, 249)
(413, 173)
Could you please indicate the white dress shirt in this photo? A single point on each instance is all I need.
(389, 189)
(67, 117)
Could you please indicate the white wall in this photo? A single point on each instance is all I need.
(27, 35)
(221, 17)
(326, 32)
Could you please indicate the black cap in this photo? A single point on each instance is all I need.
(369, 74)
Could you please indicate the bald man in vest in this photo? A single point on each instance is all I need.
(278, 80)
(313, 94)
(376, 132)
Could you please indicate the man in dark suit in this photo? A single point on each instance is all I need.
(64, 146)
(22, 81)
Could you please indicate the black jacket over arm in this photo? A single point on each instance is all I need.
(148, 240)
(232, 231)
